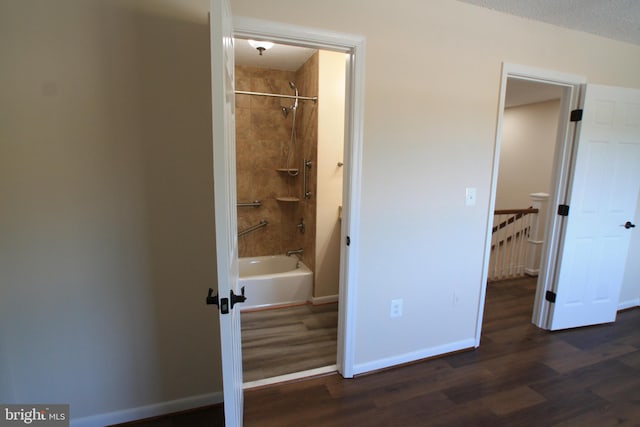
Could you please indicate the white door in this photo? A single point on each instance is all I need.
(603, 198)
(224, 176)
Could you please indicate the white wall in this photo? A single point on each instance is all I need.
(330, 151)
(529, 135)
(107, 245)
(431, 98)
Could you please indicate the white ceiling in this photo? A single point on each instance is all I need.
(614, 19)
(279, 57)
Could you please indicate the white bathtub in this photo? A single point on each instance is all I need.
(276, 280)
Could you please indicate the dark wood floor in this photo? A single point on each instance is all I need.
(520, 376)
(210, 416)
(287, 340)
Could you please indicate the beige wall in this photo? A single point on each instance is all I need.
(330, 152)
(529, 135)
(107, 245)
(431, 98)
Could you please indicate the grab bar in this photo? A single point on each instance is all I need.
(262, 223)
(306, 165)
(254, 204)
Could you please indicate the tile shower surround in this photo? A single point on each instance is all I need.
(262, 140)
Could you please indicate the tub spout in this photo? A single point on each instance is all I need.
(295, 252)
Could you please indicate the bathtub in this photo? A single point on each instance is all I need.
(272, 281)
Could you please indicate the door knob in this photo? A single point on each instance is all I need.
(629, 225)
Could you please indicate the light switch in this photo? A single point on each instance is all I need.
(470, 196)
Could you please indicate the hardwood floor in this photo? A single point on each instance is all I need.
(519, 376)
(287, 340)
(208, 416)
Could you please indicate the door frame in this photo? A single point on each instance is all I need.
(354, 47)
(560, 182)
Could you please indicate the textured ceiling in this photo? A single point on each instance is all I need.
(614, 19)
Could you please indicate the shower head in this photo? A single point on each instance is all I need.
(292, 85)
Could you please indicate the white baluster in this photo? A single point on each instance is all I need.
(502, 244)
(494, 251)
(513, 244)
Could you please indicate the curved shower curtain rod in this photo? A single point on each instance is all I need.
(277, 95)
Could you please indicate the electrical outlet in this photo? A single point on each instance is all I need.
(396, 308)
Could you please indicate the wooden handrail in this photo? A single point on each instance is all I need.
(517, 214)
(515, 211)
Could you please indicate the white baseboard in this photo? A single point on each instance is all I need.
(324, 300)
(413, 356)
(629, 304)
(147, 411)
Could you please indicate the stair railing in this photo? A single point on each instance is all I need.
(509, 242)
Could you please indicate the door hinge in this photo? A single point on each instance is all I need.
(563, 210)
(348, 241)
(550, 296)
(576, 115)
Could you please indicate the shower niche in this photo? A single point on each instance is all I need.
(288, 172)
(306, 194)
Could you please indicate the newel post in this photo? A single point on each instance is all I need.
(536, 234)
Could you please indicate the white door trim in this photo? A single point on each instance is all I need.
(563, 159)
(354, 47)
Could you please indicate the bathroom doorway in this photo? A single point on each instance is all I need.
(290, 110)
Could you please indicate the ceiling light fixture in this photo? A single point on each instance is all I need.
(261, 45)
